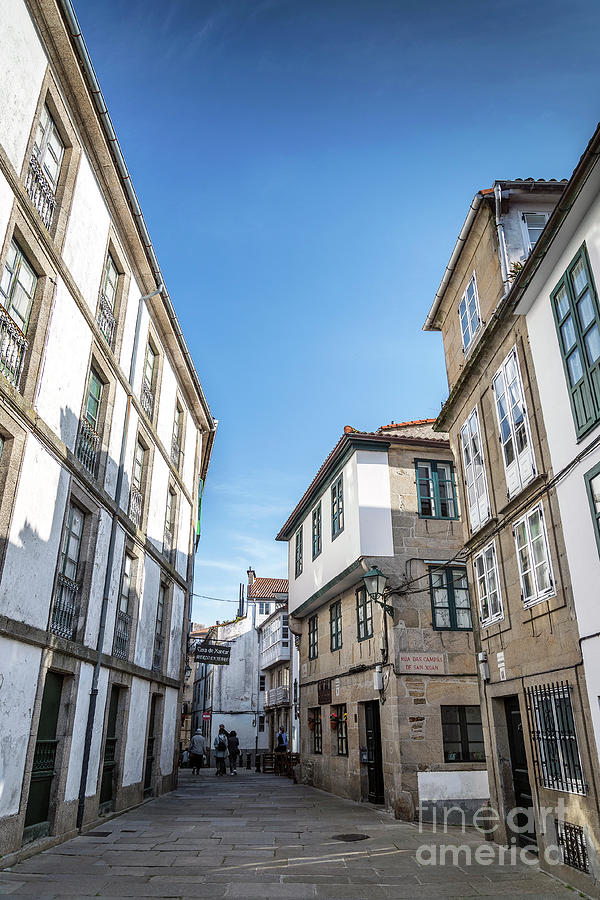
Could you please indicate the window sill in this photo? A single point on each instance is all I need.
(535, 601)
(522, 493)
(490, 622)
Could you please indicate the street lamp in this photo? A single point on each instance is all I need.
(375, 582)
(188, 671)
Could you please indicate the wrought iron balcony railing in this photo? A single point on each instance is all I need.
(158, 653)
(136, 502)
(175, 452)
(88, 445)
(121, 639)
(40, 190)
(13, 347)
(147, 398)
(65, 607)
(110, 752)
(105, 318)
(44, 758)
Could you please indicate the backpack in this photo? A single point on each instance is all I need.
(222, 742)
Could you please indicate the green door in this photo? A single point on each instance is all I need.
(150, 747)
(38, 805)
(110, 745)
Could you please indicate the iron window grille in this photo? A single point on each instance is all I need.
(315, 722)
(468, 311)
(513, 425)
(556, 757)
(478, 500)
(316, 531)
(450, 603)
(337, 507)
(571, 840)
(341, 729)
(462, 734)
(436, 490)
(577, 319)
(298, 553)
(488, 585)
(533, 557)
(335, 625)
(313, 637)
(364, 614)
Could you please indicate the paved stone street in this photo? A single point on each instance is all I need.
(260, 836)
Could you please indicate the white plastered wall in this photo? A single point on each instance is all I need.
(34, 538)
(166, 407)
(453, 785)
(168, 731)
(6, 201)
(157, 505)
(183, 537)
(136, 732)
(79, 727)
(178, 606)
(144, 642)
(19, 667)
(375, 503)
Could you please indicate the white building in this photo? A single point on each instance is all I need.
(559, 297)
(279, 674)
(105, 438)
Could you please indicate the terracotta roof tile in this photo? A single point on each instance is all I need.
(406, 424)
(267, 588)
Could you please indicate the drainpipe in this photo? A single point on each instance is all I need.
(501, 239)
(109, 568)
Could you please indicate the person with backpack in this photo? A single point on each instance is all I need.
(197, 752)
(220, 745)
(233, 745)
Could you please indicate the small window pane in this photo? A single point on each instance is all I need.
(592, 344)
(575, 367)
(562, 302)
(579, 276)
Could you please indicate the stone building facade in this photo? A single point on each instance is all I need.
(539, 742)
(105, 436)
(389, 706)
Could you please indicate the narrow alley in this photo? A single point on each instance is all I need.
(260, 836)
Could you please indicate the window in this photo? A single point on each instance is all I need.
(261, 685)
(298, 556)
(170, 525)
(335, 625)
(572, 841)
(108, 299)
(364, 614)
(147, 397)
(65, 605)
(177, 436)
(475, 478)
(17, 287)
(261, 723)
(313, 637)
(316, 531)
(577, 317)
(554, 740)
(315, 725)
(592, 479)
(48, 148)
(341, 723)
(468, 309)
(121, 638)
(71, 542)
(159, 627)
(533, 225)
(264, 609)
(533, 556)
(450, 604)
(513, 423)
(462, 734)
(88, 437)
(136, 498)
(435, 489)
(337, 507)
(488, 586)
(93, 399)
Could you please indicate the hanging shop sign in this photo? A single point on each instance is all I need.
(213, 654)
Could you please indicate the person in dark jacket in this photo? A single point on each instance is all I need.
(197, 752)
(234, 751)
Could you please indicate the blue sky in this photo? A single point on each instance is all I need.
(304, 167)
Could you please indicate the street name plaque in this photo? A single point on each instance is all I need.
(213, 654)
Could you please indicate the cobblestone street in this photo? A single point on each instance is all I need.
(260, 836)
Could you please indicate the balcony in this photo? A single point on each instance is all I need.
(147, 398)
(121, 639)
(279, 696)
(106, 321)
(136, 502)
(65, 607)
(13, 347)
(276, 653)
(158, 653)
(40, 191)
(88, 445)
(175, 453)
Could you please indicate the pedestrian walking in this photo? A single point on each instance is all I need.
(282, 740)
(221, 750)
(233, 745)
(197, 751)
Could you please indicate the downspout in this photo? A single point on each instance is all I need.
(501, 237)
(109, 567)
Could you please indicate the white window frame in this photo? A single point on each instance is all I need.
(538, 594)
(526, 238)
(46, 129)
(483, 556)
(471, 331)
(474, 475)
(521, 470)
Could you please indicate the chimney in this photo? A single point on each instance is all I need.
(251, 576)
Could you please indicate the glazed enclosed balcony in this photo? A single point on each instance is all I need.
(40, 191)
(277, 696)
(274, 641)
(13, 347)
